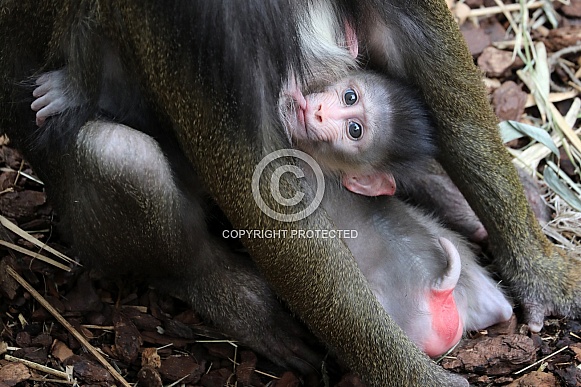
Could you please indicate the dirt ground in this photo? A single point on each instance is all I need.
(157, 340)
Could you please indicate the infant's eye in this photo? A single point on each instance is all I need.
(350, 97)
(355, 130)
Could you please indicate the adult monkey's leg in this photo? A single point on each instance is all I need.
(430, 52)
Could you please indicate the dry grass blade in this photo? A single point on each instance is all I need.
(28, 176)
(553, 97)
(564, 127)
(34, 255)
(565, 228)
(77, 335)
(489, 11)
(39, 367)
(556, 180)
(540, 361)
(23, 234)
(47, 380)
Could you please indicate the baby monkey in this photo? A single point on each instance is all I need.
(369, 132)
(425, 276)
(366, 128)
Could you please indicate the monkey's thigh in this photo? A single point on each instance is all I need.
(129, 215)
(123, 206)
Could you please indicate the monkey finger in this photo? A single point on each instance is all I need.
(44, 78)
(534, 315)
(46, 107)
(457, 380)
(41, 90)
(44, 113)
(39, 103)
(50, 80)
(552, 287)
(480, 235)
(46, 83)
(40, 121)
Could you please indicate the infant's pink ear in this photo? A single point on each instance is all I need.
(351, 40)
(374, 184)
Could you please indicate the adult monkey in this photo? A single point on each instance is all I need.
(192, 61)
